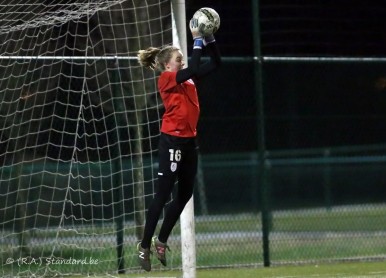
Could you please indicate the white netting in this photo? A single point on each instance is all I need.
(79, 121)
(20, 15)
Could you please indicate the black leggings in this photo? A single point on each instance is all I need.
(177, 161)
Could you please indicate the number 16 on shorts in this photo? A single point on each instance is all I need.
(175, 156)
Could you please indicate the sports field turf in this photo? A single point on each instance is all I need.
(346, 269)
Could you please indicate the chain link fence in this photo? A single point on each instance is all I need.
(321, 209)
(322, 194)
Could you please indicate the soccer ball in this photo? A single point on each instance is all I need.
(208, 21)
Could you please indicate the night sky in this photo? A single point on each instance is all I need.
(302, 27)
(307, 105)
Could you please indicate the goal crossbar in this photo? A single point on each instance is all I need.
(68, 58)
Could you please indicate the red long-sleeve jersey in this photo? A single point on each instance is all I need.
(182, 108)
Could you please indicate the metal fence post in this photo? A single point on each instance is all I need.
(260, 129)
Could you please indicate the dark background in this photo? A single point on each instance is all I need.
(307, 104)
(301, 27)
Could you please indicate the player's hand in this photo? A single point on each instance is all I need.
(209, 39)
(193, 24)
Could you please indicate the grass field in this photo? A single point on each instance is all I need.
(297, 237)
(349, 270)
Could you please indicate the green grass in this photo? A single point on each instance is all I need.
(297, 236)
(355, 219)
(349, 270)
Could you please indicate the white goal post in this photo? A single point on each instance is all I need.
(188, 243)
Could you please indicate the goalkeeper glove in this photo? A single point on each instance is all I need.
(194, 29)
(198, 42)
(208, 39)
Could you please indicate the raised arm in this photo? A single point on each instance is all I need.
(194, 65)
(214, 57)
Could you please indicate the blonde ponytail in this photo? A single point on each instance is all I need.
(155, 58)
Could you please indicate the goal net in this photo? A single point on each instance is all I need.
(79, 121)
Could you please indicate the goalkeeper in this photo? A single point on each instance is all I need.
(177, 145)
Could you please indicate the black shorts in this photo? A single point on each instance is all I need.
(177, 156)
